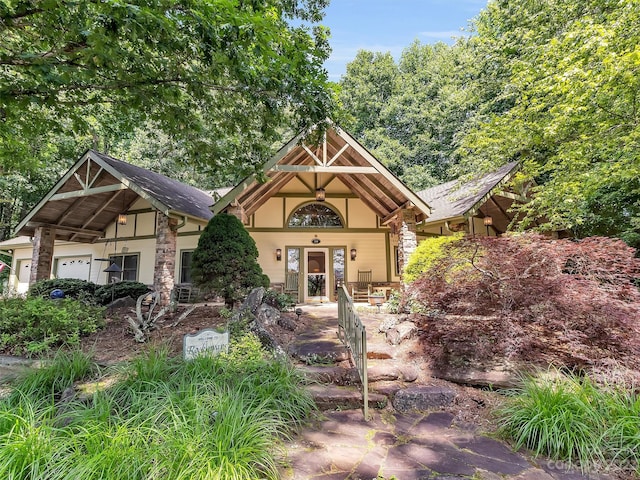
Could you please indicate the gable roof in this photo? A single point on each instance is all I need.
(454, 200)
(173, 195)
(338, 156)
(92, 193)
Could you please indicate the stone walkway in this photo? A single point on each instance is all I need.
(410, 446)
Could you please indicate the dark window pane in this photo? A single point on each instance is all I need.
(315, 215)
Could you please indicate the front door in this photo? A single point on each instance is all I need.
(316, 274)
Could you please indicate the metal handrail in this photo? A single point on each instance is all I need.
(353, 334)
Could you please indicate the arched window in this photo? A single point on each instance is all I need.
(315, 215)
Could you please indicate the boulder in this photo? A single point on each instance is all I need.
(253, 300)
(122, 302)
(267, 315)
(287, 323)
(388, 323)
(401, 332)
(497, 375)
(422, 398)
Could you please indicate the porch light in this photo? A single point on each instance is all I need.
(122, 219)
(488, 220)
(320, 195)
(353, 252)
(278, 254)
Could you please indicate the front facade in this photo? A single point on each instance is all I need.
(326, 215)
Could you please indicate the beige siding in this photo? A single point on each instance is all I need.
(360, 216)
(145, 224)
(371, 251)
(270, 215)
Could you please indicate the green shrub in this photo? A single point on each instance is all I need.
(428, 251)
(36, 325)
(211, 417)
(226, 260)
(282, 301)
(72, 288)
(569, 418)
(105, 293)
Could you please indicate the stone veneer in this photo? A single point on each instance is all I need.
(165, 264)
(42, 254)
(407, 238)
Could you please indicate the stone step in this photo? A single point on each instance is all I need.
(379, 372)
(334, 397)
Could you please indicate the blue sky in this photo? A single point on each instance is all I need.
(391, 26)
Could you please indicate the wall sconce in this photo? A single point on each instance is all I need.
(488, 220)
(278, 254)
(353, 252)
(122, 219)
(320, 195)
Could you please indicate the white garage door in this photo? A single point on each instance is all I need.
(73, 267)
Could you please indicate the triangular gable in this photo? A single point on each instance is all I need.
(456, 200)
(92, 193)
(338, 156)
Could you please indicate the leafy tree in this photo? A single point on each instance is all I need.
(225, 260)
(571, 70)
(409, 114)
(220, 75)
(532, 298)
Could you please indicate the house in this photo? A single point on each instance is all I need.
(325, 214)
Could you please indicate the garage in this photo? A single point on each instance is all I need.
(73, 267)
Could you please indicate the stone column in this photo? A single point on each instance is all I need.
(165, 265)
(407, 239)
(238, 212)
(42, 255)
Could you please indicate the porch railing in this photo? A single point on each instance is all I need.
(353, 334)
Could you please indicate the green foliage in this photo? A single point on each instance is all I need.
(72, 288)
(569, 418)
(411, 114)
(570, 70)
(428, 251)
(211, 417)
(88, 291)
(36, 325)
(229, 71)
(225, 260)
(127, 288)
(54, 376)
(282, 301)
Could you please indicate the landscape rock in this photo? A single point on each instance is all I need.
(268, 341)
(388, 323)
(503, 375)
(267, 315)
(422, 398)
(123, 302)
(253, 300)
(287, 323)
(401, 332)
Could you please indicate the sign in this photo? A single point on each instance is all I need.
(205, 342)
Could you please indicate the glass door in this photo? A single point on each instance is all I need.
(316, 271)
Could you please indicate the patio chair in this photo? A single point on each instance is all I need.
(361, 290)
(291, 284)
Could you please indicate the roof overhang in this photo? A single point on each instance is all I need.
(87, 198)
(336, 156)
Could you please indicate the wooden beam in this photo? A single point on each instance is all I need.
(390, 217)
(71, 209)
(82, 231)
(320, 169)
(88, 191)
(254, 205)
(512, 196)
(113, 198)
(337, 155)
(372, 202)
